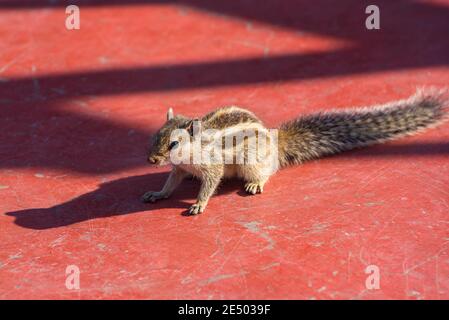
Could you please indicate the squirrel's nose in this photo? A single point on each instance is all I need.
(152, 160)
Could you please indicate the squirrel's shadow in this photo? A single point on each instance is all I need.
(117, 197)
(122, 196)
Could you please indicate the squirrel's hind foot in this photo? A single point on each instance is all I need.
(254, 187)
(196, 208)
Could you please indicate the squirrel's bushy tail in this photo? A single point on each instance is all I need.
(316, 135)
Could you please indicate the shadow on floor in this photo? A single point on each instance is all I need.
(122, 196)
(118, 197)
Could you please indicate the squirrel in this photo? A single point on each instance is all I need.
(305, 138)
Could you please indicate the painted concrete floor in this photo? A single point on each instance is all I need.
(77, 109)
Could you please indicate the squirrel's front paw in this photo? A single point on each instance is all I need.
(197, 208)
(152, 196)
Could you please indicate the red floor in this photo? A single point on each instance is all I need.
(77, 109)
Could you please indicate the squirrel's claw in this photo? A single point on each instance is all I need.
(152, 196)
(196, 208)
(253, 188)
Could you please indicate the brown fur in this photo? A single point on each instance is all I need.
(305, 138)
(313, 136)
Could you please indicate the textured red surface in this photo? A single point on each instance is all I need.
(77, 108)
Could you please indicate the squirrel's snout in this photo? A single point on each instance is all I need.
(157, 160)
(152, 160)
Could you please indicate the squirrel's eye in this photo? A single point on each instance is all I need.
(173, 144)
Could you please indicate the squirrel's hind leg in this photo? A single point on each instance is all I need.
(254, 177)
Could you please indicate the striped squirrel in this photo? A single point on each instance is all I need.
(305, 138)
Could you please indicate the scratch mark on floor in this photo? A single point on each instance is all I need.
(253, 227)
(220, 277)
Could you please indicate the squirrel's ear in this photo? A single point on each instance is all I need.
(190, 126)
(169, 114)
